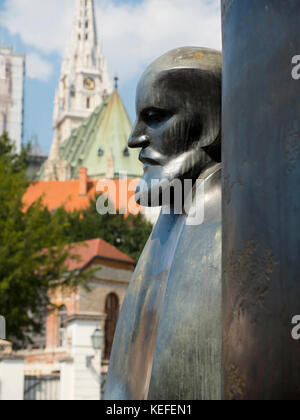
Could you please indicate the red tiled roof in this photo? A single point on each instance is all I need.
(66, 193)
(94, 248)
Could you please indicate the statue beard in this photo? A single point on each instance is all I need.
(159, 184)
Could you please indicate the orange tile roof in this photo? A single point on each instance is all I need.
(89, 250)
(55, 194)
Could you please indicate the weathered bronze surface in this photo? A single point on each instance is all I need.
(261, 210)
(168, 340)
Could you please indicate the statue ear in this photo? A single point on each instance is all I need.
(214, 150)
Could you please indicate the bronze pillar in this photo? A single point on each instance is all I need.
(261, 199)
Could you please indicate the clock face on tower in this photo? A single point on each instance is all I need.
(89, 83)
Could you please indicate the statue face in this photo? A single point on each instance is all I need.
(174, 127)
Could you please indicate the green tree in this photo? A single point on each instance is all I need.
(127, 234)
(32, 251)
(35, 244)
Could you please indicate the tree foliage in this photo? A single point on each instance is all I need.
(127, 234)
(33, 249)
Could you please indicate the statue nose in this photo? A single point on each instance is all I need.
(140, 141)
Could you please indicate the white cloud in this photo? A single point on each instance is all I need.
(43, 24)
(37, 67)
(132, 33)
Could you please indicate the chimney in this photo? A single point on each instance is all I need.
(83, 182)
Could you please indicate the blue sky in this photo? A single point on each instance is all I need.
(133, 33)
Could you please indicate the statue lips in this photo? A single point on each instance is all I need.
(147, 159)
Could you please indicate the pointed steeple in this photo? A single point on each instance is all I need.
(84, 30)
(85, 22)
(84, 80)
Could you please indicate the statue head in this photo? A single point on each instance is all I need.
(178, 126)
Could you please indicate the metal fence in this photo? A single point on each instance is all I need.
(42, 388)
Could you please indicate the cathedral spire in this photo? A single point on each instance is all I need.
(84, 80)
(84, 25)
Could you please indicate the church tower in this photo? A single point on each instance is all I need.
(84, 84)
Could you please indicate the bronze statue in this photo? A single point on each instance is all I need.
(168, 340)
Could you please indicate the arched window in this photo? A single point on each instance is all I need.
(112, 309)
(62, 314)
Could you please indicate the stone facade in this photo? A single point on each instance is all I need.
(102, 301)
(12, 73)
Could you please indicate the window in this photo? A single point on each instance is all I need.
(62, 314)
(72, 91)
(112, 309)
(88, 103)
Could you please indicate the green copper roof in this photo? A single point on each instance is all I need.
(100, 143)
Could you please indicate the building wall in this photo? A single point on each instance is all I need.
(60, 297)
(94, 301)
(12, 75)
(112, 278)
(11, 379)
(109, 278)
